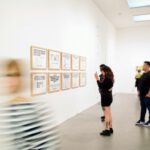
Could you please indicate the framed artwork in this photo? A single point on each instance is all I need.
(75, 80)
(38, 58)
(66, 81)
(54, 60)
(38, 83)
(83, 63)
(54, 82)
(75, 62)
(66, 61)
(82, 79)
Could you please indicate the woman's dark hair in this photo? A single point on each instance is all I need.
(102, 66)
(108, 73)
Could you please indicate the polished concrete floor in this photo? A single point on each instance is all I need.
(82, 131)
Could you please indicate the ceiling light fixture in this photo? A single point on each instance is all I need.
(138, 3)
(140, 18)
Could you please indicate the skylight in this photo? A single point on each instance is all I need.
(138, 3)
(141, 18)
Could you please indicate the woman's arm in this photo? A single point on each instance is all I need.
(96, 77)
(97, 80)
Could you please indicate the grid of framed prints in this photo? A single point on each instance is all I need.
(54, 71)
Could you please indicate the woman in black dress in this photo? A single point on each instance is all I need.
(101, 79)
(106, 86)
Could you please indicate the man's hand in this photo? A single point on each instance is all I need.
(148, 94)
(110, 90)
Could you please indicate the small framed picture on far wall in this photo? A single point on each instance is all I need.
(54, 60)
(75, 80)
(66, 81)
(54, 82)
(75, 62)
(66, 61)
(38, 58)
(38, 83)
(83, 63)
(82, 79)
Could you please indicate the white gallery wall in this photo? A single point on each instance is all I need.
(72, 26)
(133, 48)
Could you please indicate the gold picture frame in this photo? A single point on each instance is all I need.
(75, 80)
(75, 62)
(54, 60)
(66, 81)
(38, 58)
(65, 61)
(83, 61)
(37, 83)
(56, 80)
(83, 80)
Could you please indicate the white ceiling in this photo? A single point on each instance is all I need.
(119, 13)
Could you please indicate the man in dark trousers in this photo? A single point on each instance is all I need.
(144, 92)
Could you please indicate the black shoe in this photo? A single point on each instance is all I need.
(147, 124)
(140, 123)
(105, 133)
(111, 131)
(103, 118)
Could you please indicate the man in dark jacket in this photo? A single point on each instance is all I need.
(144, 92)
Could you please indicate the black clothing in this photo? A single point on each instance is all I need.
(137, 82)
(105, 91)
(147, 103)
(144, 84)
(106, 100)
(100, 79)
(144, 87)
(143, 109)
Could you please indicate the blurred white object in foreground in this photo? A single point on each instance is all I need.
(27, 126)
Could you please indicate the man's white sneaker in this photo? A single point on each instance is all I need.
(147, 124)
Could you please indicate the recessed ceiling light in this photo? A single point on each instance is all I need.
(141, 18)
(138, 3)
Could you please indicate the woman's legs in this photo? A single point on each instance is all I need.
(110, 116)
(103, 117)
(107, 118)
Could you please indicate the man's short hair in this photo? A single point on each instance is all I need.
(147, 62)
